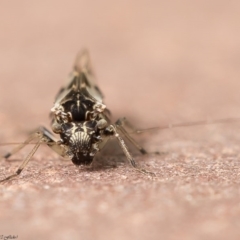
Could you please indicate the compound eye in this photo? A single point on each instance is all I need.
(101, 124)
(56, 127)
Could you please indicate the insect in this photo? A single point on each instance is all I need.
(83, 123)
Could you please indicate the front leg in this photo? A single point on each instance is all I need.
(120, 125)
(124, 147)
(42, 135)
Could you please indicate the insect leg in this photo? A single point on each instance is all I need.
(19, 147)
(43, 136)
(48, 138)
(120, 125)
(23, 164)
(126, 151)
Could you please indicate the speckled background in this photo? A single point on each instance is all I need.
(157, 62)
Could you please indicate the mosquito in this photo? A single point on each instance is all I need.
(83, 123)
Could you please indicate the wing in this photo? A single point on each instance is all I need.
(81, 80)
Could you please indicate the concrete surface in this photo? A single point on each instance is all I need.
(157, 62)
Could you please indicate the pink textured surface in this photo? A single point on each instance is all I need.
(157, 62)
